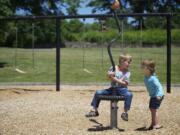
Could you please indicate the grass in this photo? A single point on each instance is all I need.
(72, 64)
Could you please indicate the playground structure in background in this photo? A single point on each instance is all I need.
(114, 4)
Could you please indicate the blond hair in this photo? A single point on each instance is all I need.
(125, 57)
(149, 64)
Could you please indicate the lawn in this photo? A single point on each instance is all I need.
(96, 63)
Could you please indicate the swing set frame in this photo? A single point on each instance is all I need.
(167, 16)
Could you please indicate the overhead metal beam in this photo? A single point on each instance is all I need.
(84, 16)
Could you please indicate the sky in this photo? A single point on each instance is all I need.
(86, 10)
(82, 10)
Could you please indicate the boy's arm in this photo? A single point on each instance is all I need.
(120, 81)
(156, 86)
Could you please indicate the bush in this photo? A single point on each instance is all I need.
(151, 37)
(154, 37)
(176, 36)
(92, 36)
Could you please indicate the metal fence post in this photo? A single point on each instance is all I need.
(58, 38)
(168, 17)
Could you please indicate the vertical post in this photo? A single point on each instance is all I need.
(113, 114)
(58, 54)
(168, 53)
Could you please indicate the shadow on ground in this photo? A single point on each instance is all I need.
(100, 127)
(141, 129)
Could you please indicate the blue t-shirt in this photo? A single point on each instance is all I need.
(153, 86)
(119, 74)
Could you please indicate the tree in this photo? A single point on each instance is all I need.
(142, 6)
(171, 6)
(153, 6)
(72, 6)
(46, 7)
(5, 8)
(34, 7)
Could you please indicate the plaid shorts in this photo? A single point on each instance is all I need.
(155, 103)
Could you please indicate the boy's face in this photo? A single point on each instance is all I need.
(125, 64)
(146, 71)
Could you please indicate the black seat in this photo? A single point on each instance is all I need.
(111, 97)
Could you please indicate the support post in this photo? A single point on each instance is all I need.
(168, 53)
(113, 114)
(58, 38)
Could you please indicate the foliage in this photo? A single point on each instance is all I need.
(151, 37)
(76, 30)
(46, 7)
(142, 6)
(5, 8)
(176, 36)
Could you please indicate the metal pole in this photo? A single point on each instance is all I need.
(84, 16)
(168, 53)
(117, 21)
(113, 114)
(58, 41)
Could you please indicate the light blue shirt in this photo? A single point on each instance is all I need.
(119, 74)
(153, 86)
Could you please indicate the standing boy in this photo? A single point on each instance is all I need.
(155, 91)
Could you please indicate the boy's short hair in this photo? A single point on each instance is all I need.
(149, 64)
(125, 57)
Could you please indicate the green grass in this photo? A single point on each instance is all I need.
(72, 64)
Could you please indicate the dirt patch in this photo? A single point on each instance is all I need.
(42, 110)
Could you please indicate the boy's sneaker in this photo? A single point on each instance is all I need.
(124, 116)
(92, 114)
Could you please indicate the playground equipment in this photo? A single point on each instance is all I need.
(113, 107)
(114, 98)
(15, 55)
(167, 16)
(84, 53)
(16, 50)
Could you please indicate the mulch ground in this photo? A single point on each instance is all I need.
(32, 110)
